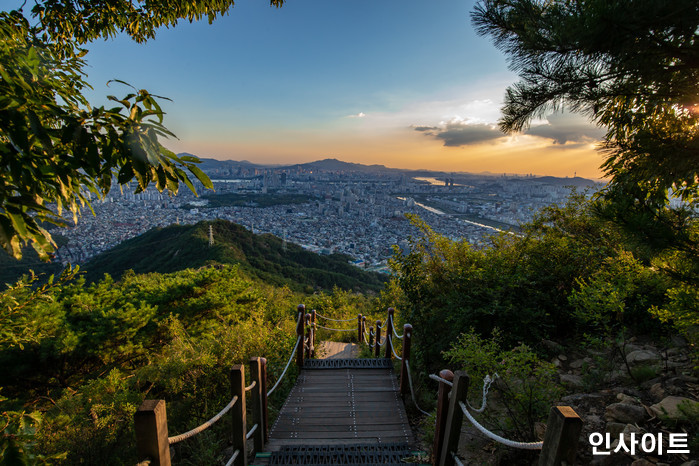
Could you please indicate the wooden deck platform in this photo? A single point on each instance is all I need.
(342, 407)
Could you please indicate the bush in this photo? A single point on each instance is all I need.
(525, 387)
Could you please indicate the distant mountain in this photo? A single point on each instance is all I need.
(264, 256)
(339, 165)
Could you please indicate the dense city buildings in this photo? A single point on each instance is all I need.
(346, 208)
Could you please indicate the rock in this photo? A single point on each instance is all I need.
(556, 362)
(657, 392)
(577, 364)
(690, 463)
(631, 428)
(562, 357)
(642, 462)
(615, 428)
(572, 380)
(624, 398)
(643, 357)
(594, 422)
(669, 408)
(577, 399)
(552, 346)
(624, 412)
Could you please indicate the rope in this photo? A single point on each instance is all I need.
(394, 352)
(366, 339)
(233, 458)
(251, 432)
(457, 461)
(293, 353)
(400, 337)
(487, 381)
(335, 320)
(381, 326)
(384, 341)
(251, 386)
(412, 392)
(439, 379)
(206, 425)
(338, 329)
(497, 438)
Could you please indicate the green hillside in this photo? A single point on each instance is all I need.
(178, 247)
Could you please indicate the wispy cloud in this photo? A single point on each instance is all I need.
(357, 115)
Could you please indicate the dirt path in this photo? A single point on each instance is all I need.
(335, 350)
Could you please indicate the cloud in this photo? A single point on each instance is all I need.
(564, 128)
(358, 115)
(459, 132)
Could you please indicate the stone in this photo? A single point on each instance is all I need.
(642, 462)
(577, 364)
(690, 463)
(643, 357)
(669, 408)
(615, 428)
(626, 413)
(562, 357)
(624, 398)
(572, 380)
(657, 391)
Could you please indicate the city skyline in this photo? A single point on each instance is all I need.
(406, 85)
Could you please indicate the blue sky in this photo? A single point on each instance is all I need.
(404, 83)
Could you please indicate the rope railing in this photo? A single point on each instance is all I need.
(337, 329)
(204, 426)
(439, 379)
(251, 432)
(291, 358)
(487, 381)
(318, 314)
(457, 460)
(251, 386)
(393, 350)
(400, 337)
(412, 391)
(234, 457)
(496, 437)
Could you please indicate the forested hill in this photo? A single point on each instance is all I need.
(179, 247)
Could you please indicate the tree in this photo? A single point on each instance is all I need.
(631, 65)
(57, 149)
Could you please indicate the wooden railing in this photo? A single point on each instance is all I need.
(560, 440)
(153, 443)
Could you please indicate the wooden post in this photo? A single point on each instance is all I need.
(313, 333)
(407, 337)
(150, 423)
(371, 337)
(442, 408)
(389, 333)
(561, 437)
(363, 329)
(455, 417)
(257, 404)
(309, 337)
(239, 415)
(299, 333)
(263, 390)
(360, 333)
(377, 345)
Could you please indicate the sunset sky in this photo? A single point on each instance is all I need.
(404, 84)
